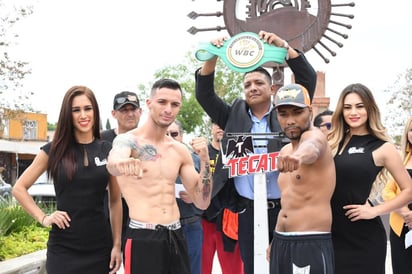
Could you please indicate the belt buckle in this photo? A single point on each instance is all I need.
(271, 204)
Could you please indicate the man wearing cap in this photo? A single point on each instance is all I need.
(253, 114)
(127, 112)
(302, 241)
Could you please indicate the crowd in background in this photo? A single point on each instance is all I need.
(185, 207)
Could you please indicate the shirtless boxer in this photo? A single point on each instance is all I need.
(147, 162)
(302, 240)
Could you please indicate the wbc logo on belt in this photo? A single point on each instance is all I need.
(245, 51)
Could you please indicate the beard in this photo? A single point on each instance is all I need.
(294, 136)
(297, 133)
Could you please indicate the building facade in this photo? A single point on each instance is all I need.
(21, 136)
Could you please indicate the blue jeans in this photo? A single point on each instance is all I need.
(193, 233)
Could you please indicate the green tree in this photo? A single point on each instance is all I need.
(51, 127)
(108, 126)
(399, 105)
(12, 70)
(228, 85)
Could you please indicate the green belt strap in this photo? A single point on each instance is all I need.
(243, 52)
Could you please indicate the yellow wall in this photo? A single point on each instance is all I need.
(16, 121)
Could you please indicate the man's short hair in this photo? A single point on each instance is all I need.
(165, 83)
(317, 121)
(260, 70)
(179, 125)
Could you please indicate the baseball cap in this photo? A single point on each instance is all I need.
(292, 95)
(124, 98)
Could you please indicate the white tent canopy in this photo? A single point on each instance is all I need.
(21, 147)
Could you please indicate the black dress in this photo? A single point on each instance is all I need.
(85, 246)
(360, 246)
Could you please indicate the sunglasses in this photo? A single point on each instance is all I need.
(327, 125)
(129, 98)
(173, 134)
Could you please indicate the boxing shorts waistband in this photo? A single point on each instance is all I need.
(140, 225)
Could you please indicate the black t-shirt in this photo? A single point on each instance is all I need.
(108, 135)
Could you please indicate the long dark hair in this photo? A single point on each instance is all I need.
(62, 151)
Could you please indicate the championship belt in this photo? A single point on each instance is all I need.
(243, 52)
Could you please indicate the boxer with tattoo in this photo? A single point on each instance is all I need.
(147, 163)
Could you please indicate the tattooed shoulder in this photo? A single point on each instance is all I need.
(145, 152)
(124, 140)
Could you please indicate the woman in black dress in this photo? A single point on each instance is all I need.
(362, 152)
(401, 257)
(81, 239)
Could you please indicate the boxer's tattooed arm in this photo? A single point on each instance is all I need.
(123, 141)
(206, 181)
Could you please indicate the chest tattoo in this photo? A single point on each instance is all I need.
(146, 152)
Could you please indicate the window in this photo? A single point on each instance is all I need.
(4, 125)
(30, 130)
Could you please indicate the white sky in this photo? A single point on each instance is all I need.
(113, 45)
